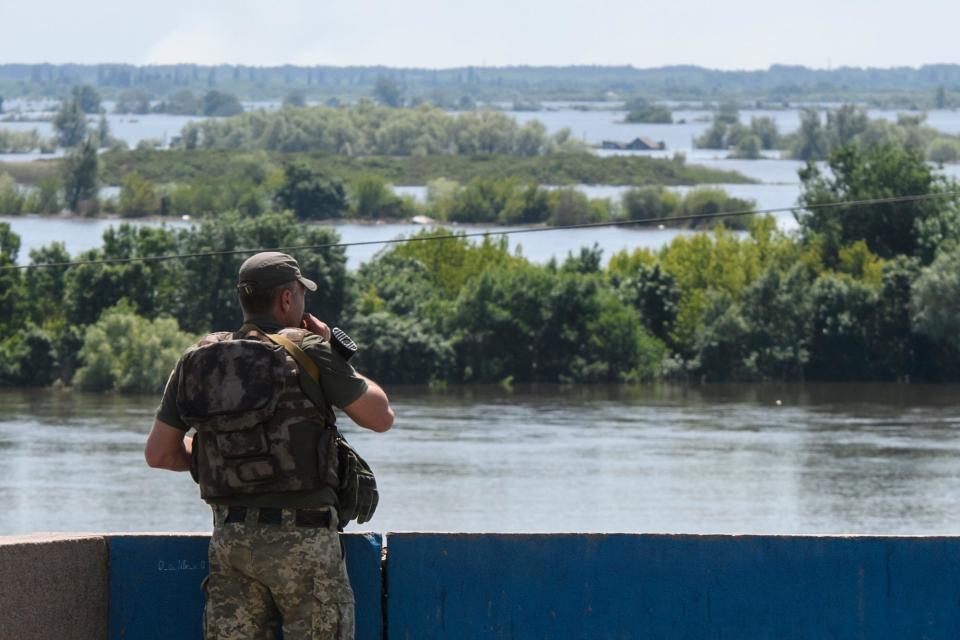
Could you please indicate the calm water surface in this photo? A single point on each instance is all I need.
(80, 234)
(827, 459)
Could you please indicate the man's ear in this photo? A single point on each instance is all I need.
(286, 299)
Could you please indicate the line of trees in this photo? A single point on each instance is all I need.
(24, 142)
(184, 102)
(312, 195)
(903, 87)
(369, 129)
(865, 293)
(205, 183)
(820, 135)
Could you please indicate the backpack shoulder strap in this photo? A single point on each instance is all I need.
(298, 354)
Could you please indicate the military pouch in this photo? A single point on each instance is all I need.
(231, 386)
(251, 471)
(357, 494)
(243, 443)
(328, 459)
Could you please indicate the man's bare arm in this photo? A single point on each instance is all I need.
(371, 410)
(168, 448)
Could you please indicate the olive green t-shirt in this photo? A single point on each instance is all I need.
(339, 386)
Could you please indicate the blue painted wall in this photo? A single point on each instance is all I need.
(155, 585)
(467, 586)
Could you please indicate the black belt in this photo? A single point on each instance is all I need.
(274, 515)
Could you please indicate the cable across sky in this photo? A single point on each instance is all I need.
(507, 232)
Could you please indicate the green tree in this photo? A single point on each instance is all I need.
(220, 104)
(639, 110)
(86, 98)
(903, 350)
(748, 148)
(388, 92)
(868, 173)
(135, 101)
(706, 201)
(728, 112)
(646, 203)
(655, 295)
(401, 350)
(721, 346)
(371, 197)
(713, 138)
(766, 129)
(152, 288)
(46, 196)
(45, 289)
(777, 313)
(204, 292)
(138, 197)
(103, 132)
(129, 353)
(939, 98)
(12, 200)
(296, 99)
(182, 102)
(936, 299)
(531, 139)
(844, 319)
(527, 204)
(11, 285)
(28, 358)
(70, 124)
(480, 200)
(310, 194)
(811, 141)
(845, 125)
(80, 179)
(944, 150)
(588, 261)
(570, 206)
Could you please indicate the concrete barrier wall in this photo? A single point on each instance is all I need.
(516, 586)
(671, 587)
(155, 585)
(53, 586)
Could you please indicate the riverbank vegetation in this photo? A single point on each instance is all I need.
(860, 293)
(24, 142)
(640, 110)
(251, 189)
(561, 168)
(820, 134)
(203, 183)
(369, 129)
(183, 102)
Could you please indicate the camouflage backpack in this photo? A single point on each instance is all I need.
(257, 431)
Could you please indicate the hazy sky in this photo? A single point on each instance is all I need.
(727, 34)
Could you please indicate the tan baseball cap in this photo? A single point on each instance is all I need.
(270, 269)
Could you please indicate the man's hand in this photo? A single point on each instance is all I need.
(312, 324)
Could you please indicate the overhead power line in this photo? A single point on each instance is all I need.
(506, 232)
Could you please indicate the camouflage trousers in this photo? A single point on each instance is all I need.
(263, 576)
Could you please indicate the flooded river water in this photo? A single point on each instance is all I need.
(724, 459)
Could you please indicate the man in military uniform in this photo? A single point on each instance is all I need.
(263, 455)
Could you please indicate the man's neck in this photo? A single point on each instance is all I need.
(264, 321)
